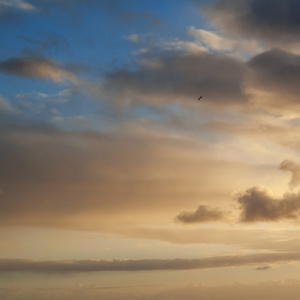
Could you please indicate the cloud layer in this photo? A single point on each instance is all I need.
(102, 175)
(70, 266)
(174, 77)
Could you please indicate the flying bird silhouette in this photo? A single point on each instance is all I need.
(199, 97)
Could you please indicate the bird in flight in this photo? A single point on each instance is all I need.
(199, 97)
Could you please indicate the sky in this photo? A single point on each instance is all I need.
(116, 182)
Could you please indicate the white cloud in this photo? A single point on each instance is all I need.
(215, 42)
(133, 38)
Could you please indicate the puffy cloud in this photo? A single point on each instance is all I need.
(258, 205)
(202, 214)
(38, 68)
(267, 20)
(70, 266)
(288, 165)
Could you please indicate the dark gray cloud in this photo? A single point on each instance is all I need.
(170, 76)
(288, 165)
(201, 215)
(277, 71)
(258, 205)
(267, 20)
(71, 266)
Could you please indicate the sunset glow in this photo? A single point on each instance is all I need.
(118, 181)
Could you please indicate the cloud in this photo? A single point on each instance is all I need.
(17, 4)
(216, 42)
(37, 68)
(277, 70)
(263, 268)
(258, 205)
(273, 78)
(52, 177)
(224, 235)
(175, 77)
(201, 215)
(288, 165)
(6, 108)
(71, 266)
(133, 38)
(266, 20)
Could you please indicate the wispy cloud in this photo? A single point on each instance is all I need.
(5, 107)
(17, 4)
(294, 168)
(201, 215)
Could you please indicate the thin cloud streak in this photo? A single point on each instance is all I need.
(201, 215)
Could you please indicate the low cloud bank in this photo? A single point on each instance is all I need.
(75, 266)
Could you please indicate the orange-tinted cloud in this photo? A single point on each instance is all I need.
(51, 177)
